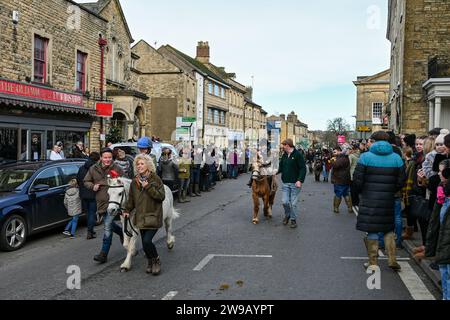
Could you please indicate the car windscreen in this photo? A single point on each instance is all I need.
(14, 179)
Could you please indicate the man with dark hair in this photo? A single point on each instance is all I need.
(379, 175)
(96, 180)
(293, 173)
(88, 196)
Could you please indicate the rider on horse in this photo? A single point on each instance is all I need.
(265, 164)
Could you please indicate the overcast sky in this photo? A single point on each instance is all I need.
(303, 55)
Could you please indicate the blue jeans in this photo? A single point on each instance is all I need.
(72, 225)
(291, 199)
(398, 225)
(90, 207)
(445, 276)
(110, 228)
(341, 190)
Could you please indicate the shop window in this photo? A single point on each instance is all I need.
(24, 149)
(81, 71)
(8, 144)
(69, 140)
(40, 59)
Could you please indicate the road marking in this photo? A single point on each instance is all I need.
(413, 283)
(170, 295)
(209, 257)
(380, 258)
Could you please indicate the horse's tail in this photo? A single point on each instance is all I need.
(175, 214)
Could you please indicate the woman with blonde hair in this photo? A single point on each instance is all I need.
(145, 203)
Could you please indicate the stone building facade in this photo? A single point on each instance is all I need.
(50, 66)
(212, 108)
(131, 105)
(371, 100)
(173, 91)
(418, 31)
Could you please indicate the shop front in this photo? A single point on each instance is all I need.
(34, 118)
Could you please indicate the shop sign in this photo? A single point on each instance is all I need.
(104, 109)
(39, 93)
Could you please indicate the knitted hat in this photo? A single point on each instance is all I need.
(440, 139)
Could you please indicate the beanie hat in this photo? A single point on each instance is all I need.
(440, 139)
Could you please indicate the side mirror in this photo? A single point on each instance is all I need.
(40, 188)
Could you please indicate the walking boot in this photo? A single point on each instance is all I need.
(191, 191)
(185, 199)
(180, 197)
(372, 252)
(148, 270)
(336, 204)
(156, 266)
(408, 234)
(391, 248)
(101, 258)
(91, 236)
(197, 190)
(348, 201)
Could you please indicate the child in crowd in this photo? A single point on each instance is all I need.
(72, 202)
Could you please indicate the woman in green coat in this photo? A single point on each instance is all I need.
(145, 203)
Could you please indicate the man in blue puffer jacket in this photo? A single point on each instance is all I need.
(379, 175)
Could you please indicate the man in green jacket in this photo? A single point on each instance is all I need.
(293, 172)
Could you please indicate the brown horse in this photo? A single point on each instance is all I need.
(264, 187)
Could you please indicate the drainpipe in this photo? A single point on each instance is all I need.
(102, 43)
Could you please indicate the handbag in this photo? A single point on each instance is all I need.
(419, 207)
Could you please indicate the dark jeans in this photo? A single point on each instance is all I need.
(147, 243)
(195, 176)
(90, 208)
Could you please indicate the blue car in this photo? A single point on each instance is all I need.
(32, 198)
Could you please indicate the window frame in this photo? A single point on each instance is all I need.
(377, 109)
(83, 72)
(40, 59)
(44, 171)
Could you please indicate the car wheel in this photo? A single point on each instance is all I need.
(13, 234)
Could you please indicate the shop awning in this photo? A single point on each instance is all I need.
(45, 105)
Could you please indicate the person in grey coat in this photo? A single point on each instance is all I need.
(72, 202)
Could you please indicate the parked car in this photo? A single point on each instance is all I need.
(132, 149)
(32, 198)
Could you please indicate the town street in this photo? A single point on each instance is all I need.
(322, 259)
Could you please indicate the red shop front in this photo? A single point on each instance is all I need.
(33, 118)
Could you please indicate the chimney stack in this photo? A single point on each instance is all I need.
(203, 52)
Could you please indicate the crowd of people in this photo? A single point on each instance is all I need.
(391, 179)
(385, 180)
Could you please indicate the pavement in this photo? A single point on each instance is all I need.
(434, 275)
(220, 255)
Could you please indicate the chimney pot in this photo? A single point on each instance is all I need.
(203, 52)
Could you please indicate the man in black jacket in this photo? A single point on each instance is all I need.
(379, 175)
(88, 196)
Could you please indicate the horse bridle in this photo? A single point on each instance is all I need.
(126, 219)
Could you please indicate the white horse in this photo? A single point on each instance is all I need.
(118, 192)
